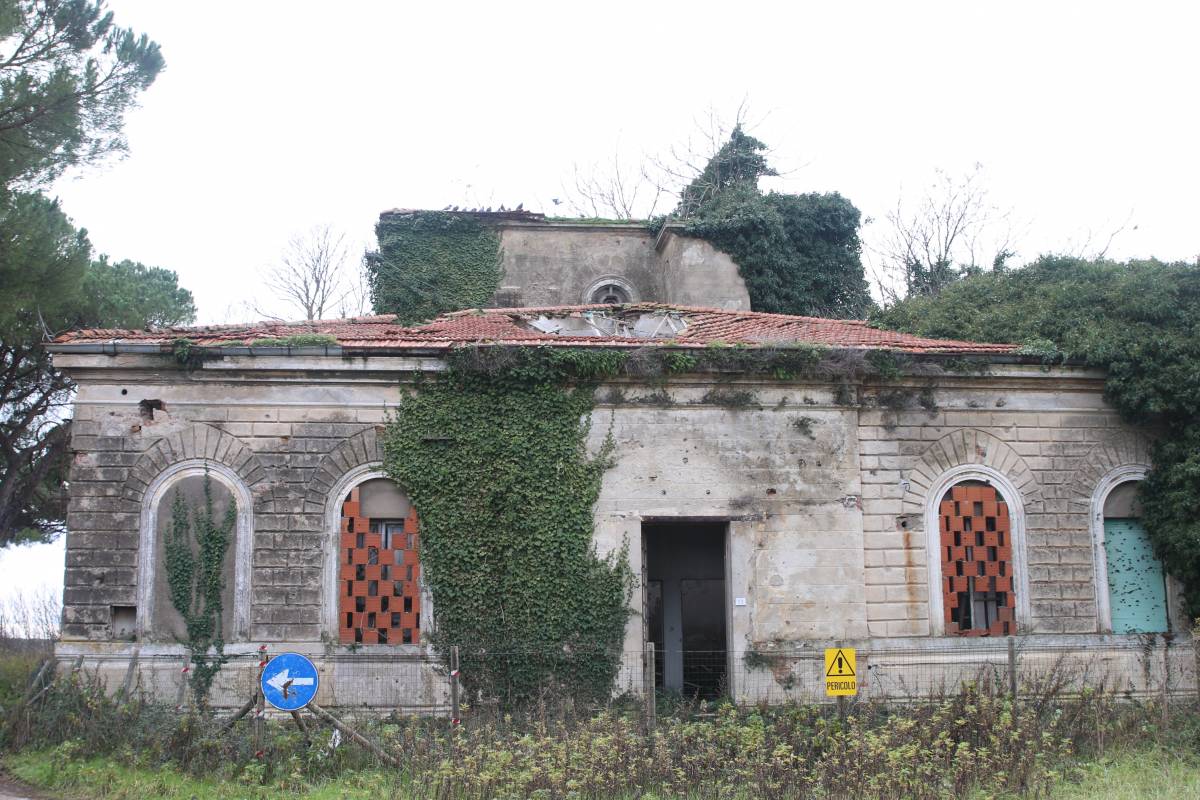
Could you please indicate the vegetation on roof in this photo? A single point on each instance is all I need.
(430, 262)
(595, 221)
(797, 253)
(296, 340)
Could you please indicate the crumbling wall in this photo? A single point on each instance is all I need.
(553, 264)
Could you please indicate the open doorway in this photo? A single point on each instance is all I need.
(684, 564)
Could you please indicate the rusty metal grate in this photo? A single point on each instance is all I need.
(378, 578)
(976, 556)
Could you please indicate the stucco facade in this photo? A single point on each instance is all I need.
(829, 501)
(564, 262)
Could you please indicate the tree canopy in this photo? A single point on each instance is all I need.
(35, 397)
(1138, 320)
(67, 77)
(797, 253)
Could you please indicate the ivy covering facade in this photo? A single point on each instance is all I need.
(495, 463)
(429, 262)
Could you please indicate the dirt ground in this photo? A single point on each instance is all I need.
(12, 790)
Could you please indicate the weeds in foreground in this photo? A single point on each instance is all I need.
(953, 746)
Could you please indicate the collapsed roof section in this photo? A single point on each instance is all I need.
(630, 325)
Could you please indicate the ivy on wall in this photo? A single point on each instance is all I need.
(430, 262)
(195, 546)
(797, 253)
(492, 454)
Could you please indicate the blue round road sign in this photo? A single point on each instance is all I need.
(289, 681)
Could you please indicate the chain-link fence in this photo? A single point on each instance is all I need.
(421, 682)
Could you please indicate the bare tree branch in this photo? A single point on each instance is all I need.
(952, 230)
(312, 275)
(612, 189)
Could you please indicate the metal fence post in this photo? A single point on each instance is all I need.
(1012, 668)
(127, 685)
(648, 688)
(1196, 656)
(1166, 688)
(260, 706)
(181, 695)
(455, 708)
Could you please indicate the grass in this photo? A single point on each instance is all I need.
(1135, 775)
(1147, 774)
(106, 779)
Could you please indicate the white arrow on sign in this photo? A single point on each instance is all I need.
(281, 682)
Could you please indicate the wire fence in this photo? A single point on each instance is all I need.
(423, 683)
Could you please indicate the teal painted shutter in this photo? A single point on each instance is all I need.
(1136, 589)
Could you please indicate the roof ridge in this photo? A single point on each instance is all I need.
(705, 326)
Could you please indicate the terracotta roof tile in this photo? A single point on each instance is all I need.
(701, 327)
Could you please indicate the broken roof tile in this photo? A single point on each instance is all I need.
(634, 324)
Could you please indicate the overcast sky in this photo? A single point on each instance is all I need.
(272, 117)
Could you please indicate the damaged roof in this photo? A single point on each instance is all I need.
(629, 325)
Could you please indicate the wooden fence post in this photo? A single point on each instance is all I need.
(181, 695)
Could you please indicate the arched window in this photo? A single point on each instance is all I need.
(379, 567)
(609, 290)
(1130, 579)
(184, 495)
(976, 555)
(610, 294)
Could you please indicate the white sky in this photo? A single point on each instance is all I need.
(275, 116)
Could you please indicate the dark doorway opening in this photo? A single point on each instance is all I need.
(686, 606)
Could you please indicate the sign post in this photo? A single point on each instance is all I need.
(841, 672)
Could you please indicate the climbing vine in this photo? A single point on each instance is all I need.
(492, 453)
(797, 253)
(429, 262)
(196, 544)
(493, 457)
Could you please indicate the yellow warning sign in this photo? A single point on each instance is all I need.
(841, 676)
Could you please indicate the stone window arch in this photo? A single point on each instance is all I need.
(609, 290)
(156, 616)
(975, 528)
(1131, 586)
(376, 592)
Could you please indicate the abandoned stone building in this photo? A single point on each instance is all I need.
(810, 513)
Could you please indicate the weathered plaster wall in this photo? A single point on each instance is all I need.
(795, 532)
(698, 274)
(555, 263)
